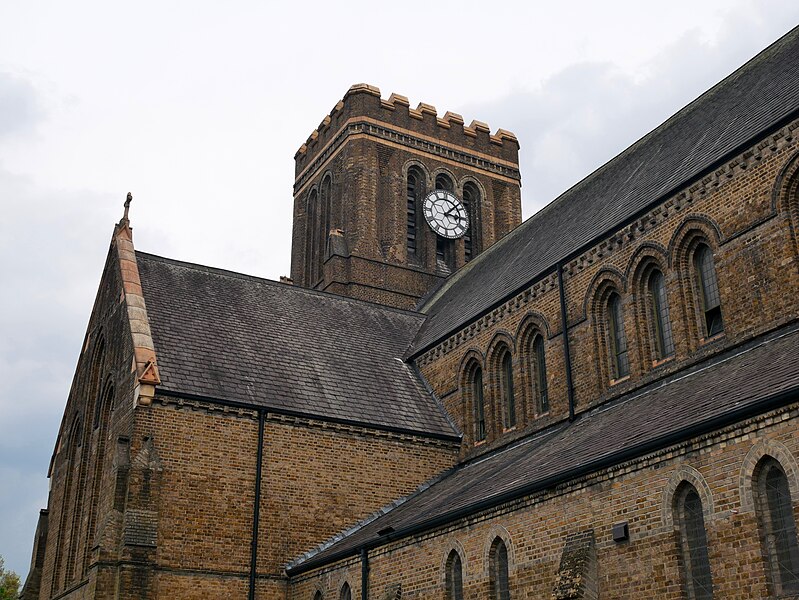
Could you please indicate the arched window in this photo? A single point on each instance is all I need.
(443, 182)
(777, 526)
(506, 390)
(105, 404)
(346, 592)
(317, 595)
(498, 576)
(471, 201)
(697, 580)
(618, 340)
(312, 238)
(454, 576)
(327, 214)
(659, 315)
(538, 374)
(478, 402)
(415, 191)
(709, 299)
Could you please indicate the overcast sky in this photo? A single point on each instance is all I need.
(198, 108)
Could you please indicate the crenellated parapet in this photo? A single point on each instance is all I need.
(363, 111)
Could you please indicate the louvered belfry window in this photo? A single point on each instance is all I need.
(414, 196)
(778, 527)
(471, 202)
(661, 323)
(618, 339)
(498, 578)
(698, 584)
(454, 577)
(708, 290)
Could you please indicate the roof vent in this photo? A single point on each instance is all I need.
(386, 530)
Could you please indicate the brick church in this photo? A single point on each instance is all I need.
(444, 402)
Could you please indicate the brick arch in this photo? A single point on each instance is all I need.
(693, 231)
(413, 162)
(690, 475)
(453, 545)
(346, 578)
(785, 195)
(533, 324)
(688, 231)
(502, 341)
(608, 275)
(760, 450)
(473, 358)
(647, 259)
(444, 171)
(605, 283)
(474, 181)
(498, 531)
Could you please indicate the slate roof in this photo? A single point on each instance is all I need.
(242, 339)
(760, 95)
(747, 380)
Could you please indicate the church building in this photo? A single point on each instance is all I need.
(444, 402)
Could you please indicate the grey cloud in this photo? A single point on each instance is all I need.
(20, 109)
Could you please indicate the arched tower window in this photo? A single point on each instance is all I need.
(454, 576)
(777, 526)
(498, 575)
(618, 340)
(697, 581)
(709, 299)
(507, 397)
(346, 592)
(659, 315)
(415, 192)
(538, 374)
(312, 238)
(445, 248)
(471, 201)
(327, 213)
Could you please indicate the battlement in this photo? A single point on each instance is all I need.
(363, 105)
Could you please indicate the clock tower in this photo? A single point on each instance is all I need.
(389, 200)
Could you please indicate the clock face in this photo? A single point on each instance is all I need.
(445, 214)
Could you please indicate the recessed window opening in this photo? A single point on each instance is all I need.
(478, 404)
(540, 375)
(454, 577)
(709, 297)
(698, 583)
(659, 309)
(498, 577)
(618, 339)
(506, 388)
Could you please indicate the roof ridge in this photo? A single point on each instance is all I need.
(271, 282)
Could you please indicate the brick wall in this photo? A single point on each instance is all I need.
(742, 210)
(535, 529)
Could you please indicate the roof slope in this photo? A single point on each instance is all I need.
(743, 106)
(233, 337)
(742, 382)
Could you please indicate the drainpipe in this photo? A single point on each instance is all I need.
(364, 574)
(257, 505)
(566, 351)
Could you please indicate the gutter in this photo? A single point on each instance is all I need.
(256, 512)
(769, 403)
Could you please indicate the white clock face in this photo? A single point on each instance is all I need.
(445, 214)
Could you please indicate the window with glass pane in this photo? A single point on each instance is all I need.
(708, 290)
(697, 582)
(779, 527)
(508, 400)
(454, 577)
(346, 592)
(661, 323)
(618, 340)
(479, 406)
(498, 578)
(540, 375)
